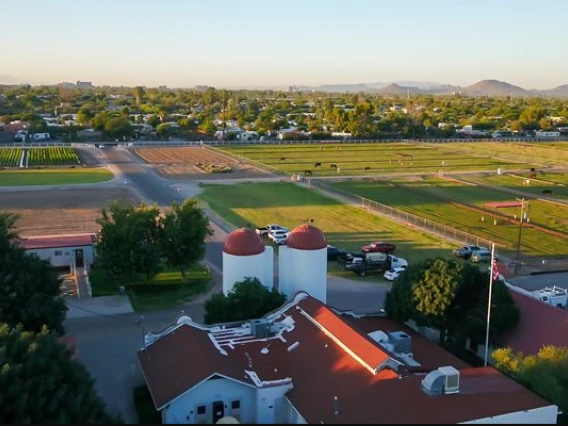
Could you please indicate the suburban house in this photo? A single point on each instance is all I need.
(63, 251)
(306, 363)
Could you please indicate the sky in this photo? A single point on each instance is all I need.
(269, 43)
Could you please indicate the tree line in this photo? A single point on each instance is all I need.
(117, 111)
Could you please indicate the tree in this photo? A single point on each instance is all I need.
(138, 93)
(153, 120)
(451, 297)
(128, 243)
(41, 383)
(184, 229)
(29, 287)
(545, 373)
(117, 127)
(249, 299)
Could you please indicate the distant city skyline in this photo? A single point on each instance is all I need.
(261, 44)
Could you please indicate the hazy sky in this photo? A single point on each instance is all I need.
(181, 43)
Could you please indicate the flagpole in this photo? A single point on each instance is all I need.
(489, 303)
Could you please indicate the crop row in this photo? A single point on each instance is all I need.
(10, 157)
(54, 156)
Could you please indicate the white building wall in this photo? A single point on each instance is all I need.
(184, 409)
(293, 416)
(544, 415)
(303, 270)
(63, 256)
(237, 268)
(267, 400)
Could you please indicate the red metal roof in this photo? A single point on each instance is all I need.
(243, 242)
(321, 369)
(306, 237)
(57, 241)
(371, 354)
(540, 325)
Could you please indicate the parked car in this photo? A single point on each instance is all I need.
(278, 237)
(333, 253)
(379, 246)
(269, 229)
(393, 273)
(466, 251)
(482, 256)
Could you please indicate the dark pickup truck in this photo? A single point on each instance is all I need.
(361, 263)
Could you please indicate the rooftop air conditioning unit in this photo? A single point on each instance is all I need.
(260, 328)
(443, 380)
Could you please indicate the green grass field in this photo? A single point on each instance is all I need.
(557, 183)
(361, 159)
(166, 290)
(446, 202)
(52, 156)
(53, 176)
(345, 226)
(542, 153)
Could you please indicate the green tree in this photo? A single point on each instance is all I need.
(248, 300)
(153, 120)
(41, 383)
(545, 373)
(29, 287)
(184, 229)
(128, 243)
(117, 127)
(452, 297)
(138, 93)
(84, 116)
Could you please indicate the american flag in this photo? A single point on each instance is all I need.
(495, 270)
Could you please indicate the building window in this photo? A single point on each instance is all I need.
(57, 252)
(202, 409)
(236, 404)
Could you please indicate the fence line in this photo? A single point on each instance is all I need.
(447, 232)
(178, 142)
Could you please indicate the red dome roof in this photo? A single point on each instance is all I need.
(306, 237)
(243, 242)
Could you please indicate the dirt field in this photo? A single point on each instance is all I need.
(182, 162)
(66, 211)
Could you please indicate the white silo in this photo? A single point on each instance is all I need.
(245, 255)
(302, 263)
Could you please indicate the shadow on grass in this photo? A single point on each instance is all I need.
(164, 291)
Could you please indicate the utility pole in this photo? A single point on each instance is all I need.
(524, 205)
(224, 116)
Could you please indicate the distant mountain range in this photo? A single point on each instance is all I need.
(481, 88)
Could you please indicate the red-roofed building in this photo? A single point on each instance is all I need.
(62, 250)
(305, 363)
(540, 325)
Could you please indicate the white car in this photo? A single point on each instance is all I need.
(278, 237)
(393, 273)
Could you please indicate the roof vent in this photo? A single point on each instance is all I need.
(443, 380)
(378, 336)
(401, 341)
(260, 328)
